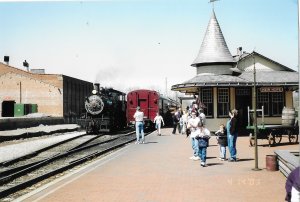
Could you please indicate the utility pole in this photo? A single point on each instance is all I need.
(255, 116)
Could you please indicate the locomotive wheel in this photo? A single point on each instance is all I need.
(293, 138)
(251, 140)
(88, 129)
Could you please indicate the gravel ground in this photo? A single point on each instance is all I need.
(14, 151)
(41, 128)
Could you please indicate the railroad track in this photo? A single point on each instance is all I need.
(22, 174)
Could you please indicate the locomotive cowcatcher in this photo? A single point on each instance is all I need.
(150, 103)
(105, 110)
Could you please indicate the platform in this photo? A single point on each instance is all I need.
(161, 171)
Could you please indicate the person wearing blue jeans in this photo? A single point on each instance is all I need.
(195, 131)
(139, 130)
(195, 147)
(139, 125)
(203, 144)
(232, 134)
(222, 141)
(202, 154)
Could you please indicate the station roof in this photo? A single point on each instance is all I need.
(213, 48)
(263, 78)
(246, 55)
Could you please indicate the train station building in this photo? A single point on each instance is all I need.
(224, 81)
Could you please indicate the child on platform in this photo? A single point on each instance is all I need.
(222, 141)
(203, 143)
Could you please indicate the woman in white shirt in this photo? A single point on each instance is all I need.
(195, 132)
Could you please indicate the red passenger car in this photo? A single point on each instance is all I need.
(150, 102)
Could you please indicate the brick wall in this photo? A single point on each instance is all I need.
(24, 89)
(55, 94)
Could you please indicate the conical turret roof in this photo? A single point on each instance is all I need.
(213, 48)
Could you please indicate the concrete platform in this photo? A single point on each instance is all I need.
(161, 171)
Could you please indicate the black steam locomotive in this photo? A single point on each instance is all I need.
(105, 110)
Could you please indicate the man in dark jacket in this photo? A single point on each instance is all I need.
(232, 134)
(176, 118)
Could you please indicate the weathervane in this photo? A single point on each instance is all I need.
(212, 1)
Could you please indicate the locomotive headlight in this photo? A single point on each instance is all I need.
(94, 92)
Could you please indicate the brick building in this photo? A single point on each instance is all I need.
(55, 94)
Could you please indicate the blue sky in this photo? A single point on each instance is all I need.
(138, 43)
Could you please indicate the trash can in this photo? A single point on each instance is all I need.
(271, 163)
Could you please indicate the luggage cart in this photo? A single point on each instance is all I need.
(272, 133)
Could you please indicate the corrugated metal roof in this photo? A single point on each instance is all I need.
(213, 48)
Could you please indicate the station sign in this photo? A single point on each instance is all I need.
(271, 89)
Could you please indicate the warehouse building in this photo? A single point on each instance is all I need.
(54, 95)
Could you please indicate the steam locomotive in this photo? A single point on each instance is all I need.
(105, 110)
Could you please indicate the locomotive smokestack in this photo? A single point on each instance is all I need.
(97, 87)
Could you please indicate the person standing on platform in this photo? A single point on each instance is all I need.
(158, 120)
(232, 133)
(195, 131)
(180, 128)
(176, 118)
(222, 141)
(203, 143)
(184, 121)
(139, 125)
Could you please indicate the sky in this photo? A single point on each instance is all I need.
(130, 44)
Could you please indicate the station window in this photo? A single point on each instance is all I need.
(207, 100)
(223, 102)
(273, 102)
(277, 103)
(263, 100)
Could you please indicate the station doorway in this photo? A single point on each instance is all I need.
(243, 99)
(8, 108)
